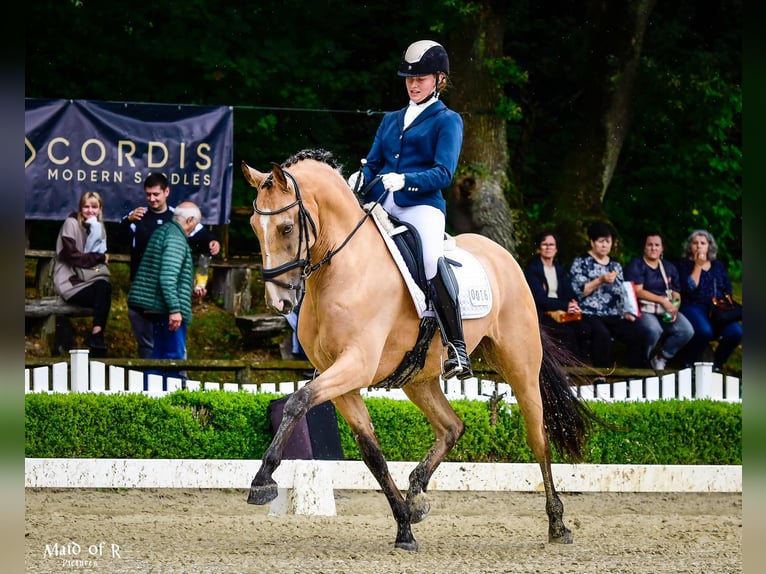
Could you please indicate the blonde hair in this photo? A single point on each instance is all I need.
(88, 195)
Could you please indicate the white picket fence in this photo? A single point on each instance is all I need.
(84, 375)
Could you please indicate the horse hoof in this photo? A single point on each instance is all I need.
(408, 546)
(564, 537)
(262, 494)
(419, 507)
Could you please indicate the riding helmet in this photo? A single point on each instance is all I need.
(422, 58)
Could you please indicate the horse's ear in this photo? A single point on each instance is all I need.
(279, 175)
(253, 176)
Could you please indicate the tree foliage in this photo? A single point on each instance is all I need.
(319, 74)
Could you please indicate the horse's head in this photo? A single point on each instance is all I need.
(283, 226)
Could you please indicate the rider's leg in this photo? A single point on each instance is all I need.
(444, 291)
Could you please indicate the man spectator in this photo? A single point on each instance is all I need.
(163, 286)
(137, 227)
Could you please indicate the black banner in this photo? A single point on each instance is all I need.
(74, 146)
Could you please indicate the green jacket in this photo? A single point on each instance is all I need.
(164, 280)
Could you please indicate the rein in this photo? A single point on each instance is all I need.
(304, 221)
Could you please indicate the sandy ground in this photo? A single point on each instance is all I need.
(215, 531)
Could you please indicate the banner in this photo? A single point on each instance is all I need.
(74, 146)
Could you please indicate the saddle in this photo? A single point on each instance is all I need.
(404, 244)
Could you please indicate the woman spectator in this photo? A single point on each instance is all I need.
(69, 279)
(658, 290)
(703, 277)
(555, 299)
(597, 281)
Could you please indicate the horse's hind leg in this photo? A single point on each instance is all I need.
(354, 411)
(521, 370)
(263, 489)
(537, 439)
(447, 427)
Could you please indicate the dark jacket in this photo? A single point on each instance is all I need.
(713, 283)
(163, 282)
(426, 153)
(539, 285)
(136, 234)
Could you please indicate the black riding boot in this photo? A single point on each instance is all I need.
(444, 291)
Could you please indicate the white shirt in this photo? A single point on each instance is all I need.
(414, 110)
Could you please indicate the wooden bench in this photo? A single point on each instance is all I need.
(230, 281)
(48, 318)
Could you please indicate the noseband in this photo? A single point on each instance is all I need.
(305, 222)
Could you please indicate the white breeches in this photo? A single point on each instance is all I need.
(429, 221)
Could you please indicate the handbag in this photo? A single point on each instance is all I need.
(561, 316)
(724, 310)
(87, 274)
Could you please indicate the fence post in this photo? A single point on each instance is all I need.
(703, 380)
(80, 368)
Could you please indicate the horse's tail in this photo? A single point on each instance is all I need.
(568, 420)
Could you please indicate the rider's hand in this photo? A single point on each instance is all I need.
(393, 181)
(356, 178)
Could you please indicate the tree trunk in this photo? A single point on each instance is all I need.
(477, 202)
(616, 33)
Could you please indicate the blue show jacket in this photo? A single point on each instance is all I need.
(426, 153)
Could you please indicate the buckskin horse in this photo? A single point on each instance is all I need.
(357, 322)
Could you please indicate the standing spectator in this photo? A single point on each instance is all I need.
(658, 289)
(415, 154)
(703, 277)
(553, 293)
(137, 226)
(81, 228)
(597, 281)
(162, 289)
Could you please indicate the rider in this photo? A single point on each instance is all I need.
(416, 151)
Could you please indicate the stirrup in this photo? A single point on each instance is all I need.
(455, 366)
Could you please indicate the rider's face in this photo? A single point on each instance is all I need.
(420, 87)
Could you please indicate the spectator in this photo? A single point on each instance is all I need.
(135, 229)
(658, 289)
(162, 289)
(415, 152)
(81, 228)
(703, 277)
(597, 281)
(554, 296)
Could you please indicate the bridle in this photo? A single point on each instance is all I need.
(305, 221)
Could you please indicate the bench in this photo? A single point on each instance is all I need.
(48, 318)
(230, 282)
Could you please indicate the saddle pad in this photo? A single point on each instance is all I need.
(475, 293)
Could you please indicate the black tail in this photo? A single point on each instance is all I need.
(568, 420)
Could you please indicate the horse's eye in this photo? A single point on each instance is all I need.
(287, 229)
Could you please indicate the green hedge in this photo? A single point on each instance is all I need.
(228, 425)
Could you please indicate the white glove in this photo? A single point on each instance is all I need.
(393, 181)
(356, 178)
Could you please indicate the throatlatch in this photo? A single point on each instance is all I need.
(444, 292)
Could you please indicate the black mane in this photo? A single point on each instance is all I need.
(317, 154)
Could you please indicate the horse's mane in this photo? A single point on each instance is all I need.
(321, 155)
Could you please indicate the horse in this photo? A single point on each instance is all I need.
(357, 321)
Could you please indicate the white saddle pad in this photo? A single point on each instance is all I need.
(475, 293)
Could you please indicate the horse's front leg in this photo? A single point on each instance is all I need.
(263, 489)
(355, 412)
(447, 427)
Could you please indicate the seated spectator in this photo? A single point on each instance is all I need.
(703, 277)
(553, 294)
(597, 281)
(658, 291)
(85, 226)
